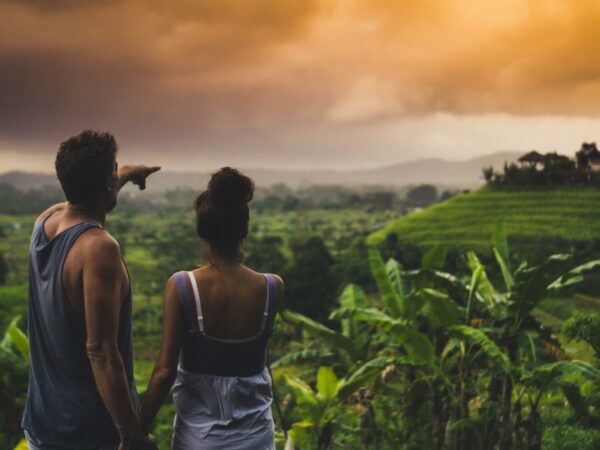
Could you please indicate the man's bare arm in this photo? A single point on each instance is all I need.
(102, 282)
(165, 368)
(136, 173)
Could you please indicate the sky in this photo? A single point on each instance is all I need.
(197, 84)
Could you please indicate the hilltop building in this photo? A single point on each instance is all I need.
(532, 158)
(536, 169)
(540, 161)
(588, 157)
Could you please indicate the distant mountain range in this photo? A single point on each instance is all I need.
(464, 174)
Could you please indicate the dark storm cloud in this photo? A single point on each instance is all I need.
(248, 74)
(147, 69)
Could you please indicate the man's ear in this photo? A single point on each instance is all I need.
(111, 184)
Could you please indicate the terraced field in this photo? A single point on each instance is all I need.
(466, 220)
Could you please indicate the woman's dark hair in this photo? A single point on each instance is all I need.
(85, 165)
(222, 212)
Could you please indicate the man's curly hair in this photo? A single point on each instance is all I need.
(85, 165)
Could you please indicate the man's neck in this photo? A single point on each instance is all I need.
(88, 212)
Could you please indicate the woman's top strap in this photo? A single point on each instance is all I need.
(271, 304)
(186, 302)
(200, 317)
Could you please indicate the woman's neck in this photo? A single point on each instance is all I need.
(221, 261)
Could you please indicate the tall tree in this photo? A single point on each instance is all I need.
(311, 285)
(3, 269)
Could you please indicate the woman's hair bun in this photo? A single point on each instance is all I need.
(229, 186)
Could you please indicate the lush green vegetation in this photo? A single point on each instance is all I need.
(457, 350)
(460, 363)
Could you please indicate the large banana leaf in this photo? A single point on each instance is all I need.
(575, 275)
(327, 384)
(444, 280)
(371, 316)
(301, 357)
(547, 373)
(22, 445)
(484, 286)
(500, 243)
(352, 297)
(298, 434)
(417, 345)
(336, 339)
(394, 270)
(439, 309)
(479, 338)
(15, 336)
(392, 301)
(435, 258)
(361, 377)
(308, 406)
(433, 275)
(302, 391)
(472, 290)
(573, 395)
(533, 284)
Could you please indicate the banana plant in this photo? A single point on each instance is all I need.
(505, 317)
(413, 309)
(14, 361)
(349, 345)
(22, 445)
(564, 375)
(319, 408)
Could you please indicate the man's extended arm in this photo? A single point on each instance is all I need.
(136, 173)
(102, 283)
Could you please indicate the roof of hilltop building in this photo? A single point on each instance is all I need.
(588, 157)
(532, 157)
(589, 148)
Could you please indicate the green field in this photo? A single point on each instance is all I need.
(466, 220)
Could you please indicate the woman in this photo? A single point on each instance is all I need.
(220, 316)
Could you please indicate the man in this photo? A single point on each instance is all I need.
(81, 390)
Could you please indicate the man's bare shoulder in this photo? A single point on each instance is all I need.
(51, 210)
(99, 247)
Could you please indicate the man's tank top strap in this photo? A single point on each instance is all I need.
(186, 301)
(65, 239)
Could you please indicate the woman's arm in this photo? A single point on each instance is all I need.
(165, 369)
(280, 294)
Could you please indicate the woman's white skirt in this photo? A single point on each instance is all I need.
(215, 412)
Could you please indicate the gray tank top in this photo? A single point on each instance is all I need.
(63, 408)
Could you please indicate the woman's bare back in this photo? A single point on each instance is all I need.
(232, 300)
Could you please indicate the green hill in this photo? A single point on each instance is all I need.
(466, 220)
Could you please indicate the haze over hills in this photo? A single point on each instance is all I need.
(460, 174)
